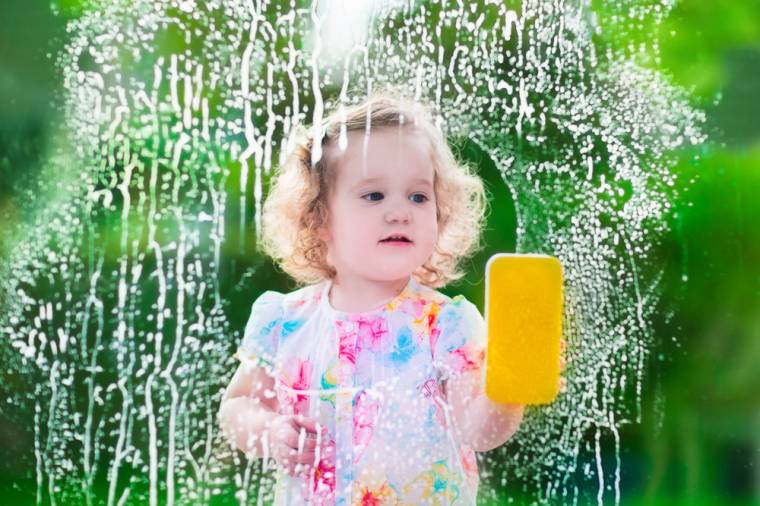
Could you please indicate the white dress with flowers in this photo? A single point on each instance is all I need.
(373, 379)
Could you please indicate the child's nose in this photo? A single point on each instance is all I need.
(397, 214)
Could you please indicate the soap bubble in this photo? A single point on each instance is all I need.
(174, 116)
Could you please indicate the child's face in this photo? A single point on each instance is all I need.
(401, 200)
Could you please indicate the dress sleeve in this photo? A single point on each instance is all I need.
(461, 342)
(261, 335)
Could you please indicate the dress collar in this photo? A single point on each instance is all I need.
(410, 287)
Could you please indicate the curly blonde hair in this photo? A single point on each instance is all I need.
(296, 206)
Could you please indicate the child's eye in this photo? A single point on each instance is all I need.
(373, 193)
(423, 196)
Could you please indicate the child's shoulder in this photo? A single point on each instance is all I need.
(454, 302)
(447, 308)
(301, 300)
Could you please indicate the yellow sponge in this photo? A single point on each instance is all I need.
(523, 311)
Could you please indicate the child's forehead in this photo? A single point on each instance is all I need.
(384, 154)
(383, 143)
(423, 181)
(387, 134)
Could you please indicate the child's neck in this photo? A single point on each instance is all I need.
(357, 295)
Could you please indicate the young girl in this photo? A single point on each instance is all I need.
(366, 385)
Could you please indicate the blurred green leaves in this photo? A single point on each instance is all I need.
(709, 331)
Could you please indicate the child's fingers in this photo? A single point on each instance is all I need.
(299, 470)
(288, 436)
(309, 424)
(305, 463)
(562, 353)
(295, 439)
(305, 459)
(292, 459)
(290, 424)
(295, 469)
(305, 445)
(309, 457)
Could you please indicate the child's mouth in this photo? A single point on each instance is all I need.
(396, 242)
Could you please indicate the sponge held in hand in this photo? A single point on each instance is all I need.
(523, 312)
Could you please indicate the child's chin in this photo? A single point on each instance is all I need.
(392, 273)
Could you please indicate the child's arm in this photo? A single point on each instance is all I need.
(485, 424)
(248, 407)
(482, 423)
(250, 418)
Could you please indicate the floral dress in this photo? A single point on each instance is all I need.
(374, 380)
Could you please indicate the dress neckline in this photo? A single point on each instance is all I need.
(325, 299)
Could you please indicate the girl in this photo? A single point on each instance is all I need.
(366, 385)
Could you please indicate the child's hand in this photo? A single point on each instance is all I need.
(286, 432)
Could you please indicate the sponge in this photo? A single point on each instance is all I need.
(523, 312)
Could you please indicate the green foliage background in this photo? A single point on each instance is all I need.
(699, 442)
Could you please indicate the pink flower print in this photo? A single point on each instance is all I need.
(296, 375)
(370, 332)
(377, 497)
(346, 350)
(438, 483)
(429, 387)
(430, 390)
(372, 488)
(331, 379)
(434, 334)
(322, 488)
(365, 414)
(403, 298)
(470, 466)
(346, 342)
(425, 324)
(432, 314)
(466, 358)
(469, 462)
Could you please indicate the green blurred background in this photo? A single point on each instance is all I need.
(699, 441)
